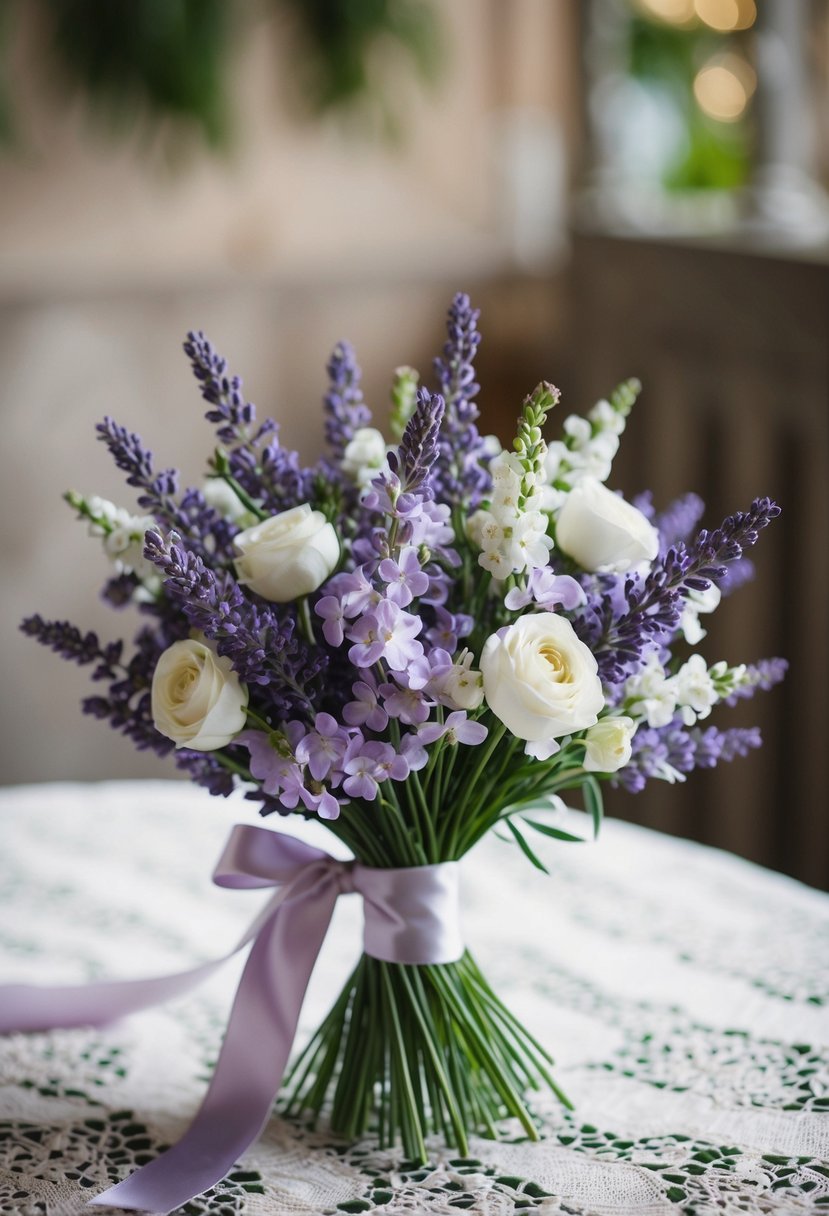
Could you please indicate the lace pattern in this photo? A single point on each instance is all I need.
(684, 993)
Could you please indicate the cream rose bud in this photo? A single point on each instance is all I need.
(607, 745)
(197, 698)
(540, 679)
(601, 531)
(288, 555)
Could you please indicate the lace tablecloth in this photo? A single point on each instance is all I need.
(683, 992)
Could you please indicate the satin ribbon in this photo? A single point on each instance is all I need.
(411, 916)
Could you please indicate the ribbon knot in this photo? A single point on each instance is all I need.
(345, 877)
(411, 916)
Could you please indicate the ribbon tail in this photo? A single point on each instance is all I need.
(251, 1063)
(28, 1007)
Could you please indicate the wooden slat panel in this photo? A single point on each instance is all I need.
(733, 349)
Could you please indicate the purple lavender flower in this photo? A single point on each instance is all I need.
(275, 768)
(462, 469)
(385, 633)
(365, 709)
(229, 411)
(457, 728)
(265, 470)
(667, 753)
(736, 575)
(322, 748)
(405, 578)
(548, 590)
(678, 520)
(654, 606)
(345, 410)
(322, 802)
(763, 675)
(367, 768)
(418, 450)
(205, 770)
(407, 704)
(330, 609)
(355, 591)
(429, 668)
(262, 647)
(448, 629)
(712, 746)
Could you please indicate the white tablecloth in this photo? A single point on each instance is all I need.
(683, 992)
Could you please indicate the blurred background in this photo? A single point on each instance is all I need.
(624, 187)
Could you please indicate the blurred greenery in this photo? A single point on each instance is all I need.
(715, 155)
(147, 62)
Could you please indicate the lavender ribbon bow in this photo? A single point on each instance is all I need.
(411, 916)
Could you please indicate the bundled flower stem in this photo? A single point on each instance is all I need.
(416, 643)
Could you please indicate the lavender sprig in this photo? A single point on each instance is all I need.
(265, 471)
(233, 415)
(344, 407)
(655, 606)
(127, 704)
(461, 470)
(67, 640)
(191, 518)
(418, 451)
(762, 675)
(669, 752)
(677, 521)
(261, 647)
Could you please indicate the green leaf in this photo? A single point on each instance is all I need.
(555, 833)
(525, 848)
(593, 802)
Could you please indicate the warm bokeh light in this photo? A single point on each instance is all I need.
(726, 15)
(675, 12)
(723, 87)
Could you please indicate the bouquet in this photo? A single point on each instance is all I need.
(417, 641)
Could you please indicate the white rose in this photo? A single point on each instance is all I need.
(608, 745)
(198, 700)
(288, 555)
(603, 532)
(540, 679)
(366, 450)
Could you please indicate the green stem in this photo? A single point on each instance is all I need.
(305, 621)
(244, 498)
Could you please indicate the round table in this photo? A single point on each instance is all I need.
(682, 991)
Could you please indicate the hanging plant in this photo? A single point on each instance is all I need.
(150, 62)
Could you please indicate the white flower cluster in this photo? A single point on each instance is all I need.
(461, 686)
(697, 603)
(588, 450)
(512, 532)
(692, 692)
(123, 538)
(365, 456)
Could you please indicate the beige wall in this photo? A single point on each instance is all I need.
(303, 236)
